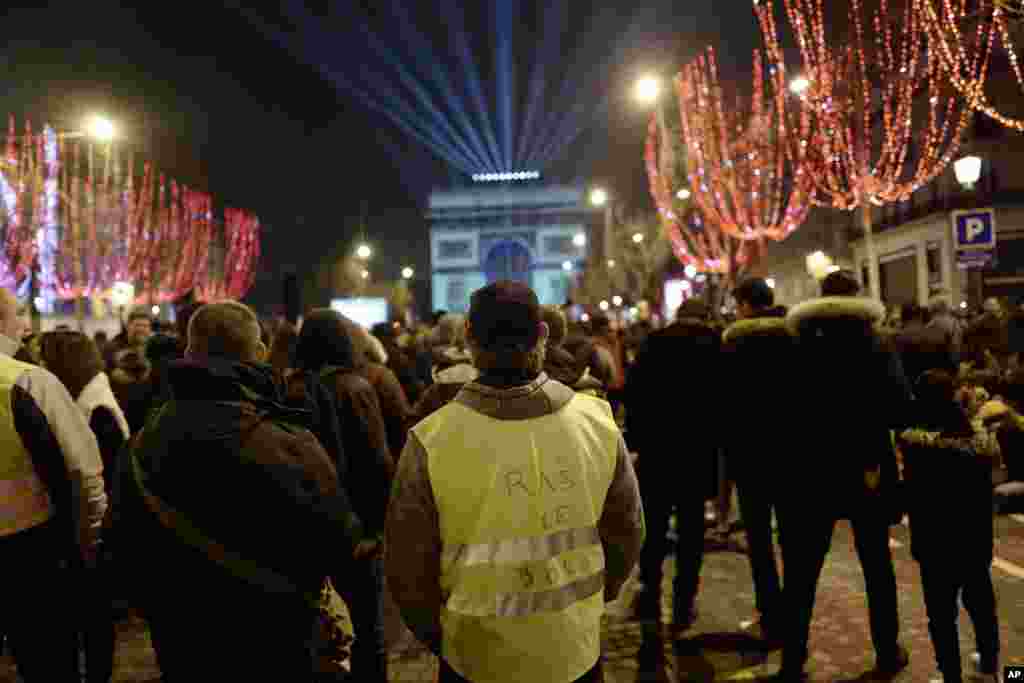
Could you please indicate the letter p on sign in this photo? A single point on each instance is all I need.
(973, 228)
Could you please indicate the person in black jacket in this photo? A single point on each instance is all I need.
(758, 354)
(842, 465)
(324, 351)
(683, 358)
(946, 458)
(234, 512)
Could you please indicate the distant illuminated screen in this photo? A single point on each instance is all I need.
(363, 310)
(676, 292)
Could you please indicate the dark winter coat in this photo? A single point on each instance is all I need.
(561, 365)
(226, 455)
(948, 493)
(672, 405)
(758, 357)
(135, 390)
(851, 391)
(989, 332)
(452, 369)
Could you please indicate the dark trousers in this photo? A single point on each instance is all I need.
(39, 626)
(806, 539)
(756, 503)
(363, 592)
(446, 674)
(660, 495)
(203, 639)
(96, 622)
(942, 587)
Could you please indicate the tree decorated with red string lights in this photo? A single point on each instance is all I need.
(695, 241)
(966, 36)
(743, 177)
(885, 122)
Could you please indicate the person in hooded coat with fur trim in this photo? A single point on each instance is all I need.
(675, 472)
(759, 353)
(854, 392)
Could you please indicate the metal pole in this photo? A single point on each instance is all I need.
(874, 284)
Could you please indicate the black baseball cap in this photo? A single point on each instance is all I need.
(505, 316)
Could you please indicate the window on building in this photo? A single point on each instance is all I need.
(456, 295)
(934, 263)
(559, 290)
(455, 249)
(560, 245)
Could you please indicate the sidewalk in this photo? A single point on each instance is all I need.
(716, 649)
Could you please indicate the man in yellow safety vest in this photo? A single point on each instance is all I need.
(515, 514)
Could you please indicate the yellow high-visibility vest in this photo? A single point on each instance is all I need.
(522, 570)
(24, 499)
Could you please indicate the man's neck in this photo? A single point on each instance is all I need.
(506, 379)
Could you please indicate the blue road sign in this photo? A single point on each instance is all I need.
(975, 229)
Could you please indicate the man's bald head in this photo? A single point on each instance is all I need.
(11, 323)
(227, 329)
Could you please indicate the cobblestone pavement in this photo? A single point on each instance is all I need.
(717, 649)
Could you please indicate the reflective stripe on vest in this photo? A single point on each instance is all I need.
(24, 499)
(522, 567)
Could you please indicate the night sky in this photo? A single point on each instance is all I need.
(242, 104)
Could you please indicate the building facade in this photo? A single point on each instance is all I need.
(523, 232)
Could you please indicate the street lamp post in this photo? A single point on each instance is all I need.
(968, 171)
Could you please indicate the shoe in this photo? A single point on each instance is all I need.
(894, 665)
(975, 658)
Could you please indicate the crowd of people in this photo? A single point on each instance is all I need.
(249, 487)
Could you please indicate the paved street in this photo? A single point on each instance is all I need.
(716, 649)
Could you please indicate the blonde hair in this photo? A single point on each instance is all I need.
(226, 328)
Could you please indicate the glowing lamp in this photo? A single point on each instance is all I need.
(799, 85)
(603, 305)
(155, 310)
(968, 170)
(598, 197)
(364, 252)
(638, 237)
(611, 263)
(690, 271)
(617, 300)
(770, 282)
(648, 89)
(818, 264)
(407, 273)
(585, 317)
(683, 194)
(122, 294)
(100, 128)
(567, 266)
(365, 274)
(579, 239)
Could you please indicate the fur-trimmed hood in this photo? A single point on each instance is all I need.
(756, 327)
(835, 307)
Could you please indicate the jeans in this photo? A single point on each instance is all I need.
(659, 499)
(942, 586)
(755, 498)
(806, 539)
(39, 628)
(362, 589)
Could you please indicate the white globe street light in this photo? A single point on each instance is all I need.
(598, 197)
(648, 89)
(579, 239)
(638, 237)
(155, 310)
(770, 282)
(603, 305)
(968, 170)
(683, 194)
(585, 317)
(365, 274)
(617, 300)
(101, 128)
(122, 294)
(611, 263)
(364, 252)
(407, 273)
(690, 271)
(567, 266)
(799, 85)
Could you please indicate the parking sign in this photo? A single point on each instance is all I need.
(975, 229)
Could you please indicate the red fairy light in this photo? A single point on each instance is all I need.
(738, 160)
(884, 121)
(965, 34)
